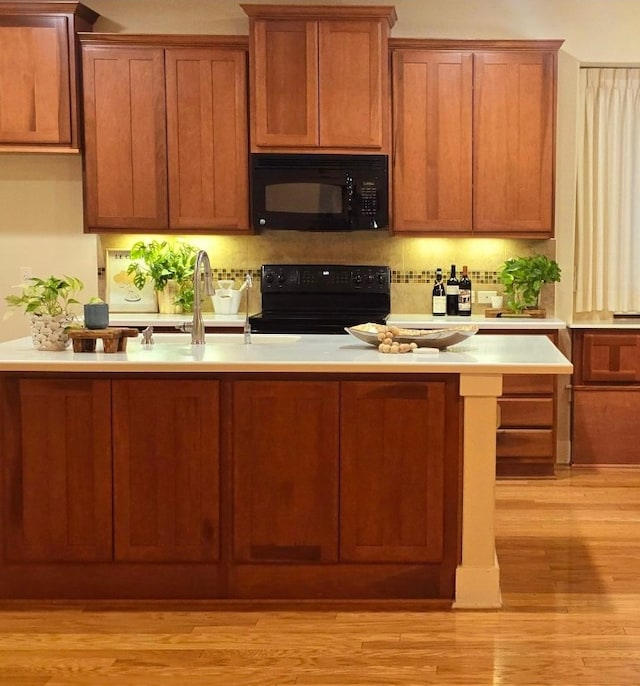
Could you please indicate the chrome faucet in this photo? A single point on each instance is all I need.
(248, 283)
(197, 326)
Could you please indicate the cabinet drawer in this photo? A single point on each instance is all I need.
(524, 442)
(611, 357)
(526, 412)
(526, 384)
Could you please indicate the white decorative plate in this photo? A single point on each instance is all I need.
(423, 338)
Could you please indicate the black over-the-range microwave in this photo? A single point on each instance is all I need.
(319, 192)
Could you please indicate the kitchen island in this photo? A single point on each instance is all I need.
(297, 467)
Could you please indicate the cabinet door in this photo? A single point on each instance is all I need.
(432, 149)
(514, 105)
(284, 84)
(605, 428)
(207, 139)
(611, 357)
(34, 80)
(166, 470)
(125, 138)
(397, 443)
(351, 81)
(57, 470)
(285, 471)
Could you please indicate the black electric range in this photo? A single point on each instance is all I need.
(317, 298)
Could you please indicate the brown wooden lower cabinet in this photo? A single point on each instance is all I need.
(606, 430)
(606, 397)
(285, 471)
(230, 487)
(56, 451)
(166, 469)
(526, 435)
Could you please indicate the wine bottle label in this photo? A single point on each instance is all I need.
(464, 300)
(453, 289)
(439, 304)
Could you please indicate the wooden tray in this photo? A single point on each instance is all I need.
(534, 314)
(114, 339)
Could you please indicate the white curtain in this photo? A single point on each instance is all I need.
(608, 193)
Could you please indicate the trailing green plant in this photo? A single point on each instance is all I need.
(524, 277)
(163, 262)
(52, 296)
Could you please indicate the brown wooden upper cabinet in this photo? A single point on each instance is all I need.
(474, 137)
(38, 84)
(165, 122)
(319, 77)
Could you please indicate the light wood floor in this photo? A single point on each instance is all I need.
(570, 556)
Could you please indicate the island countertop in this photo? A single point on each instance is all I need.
(503, 354)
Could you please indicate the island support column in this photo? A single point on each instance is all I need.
(478, 576)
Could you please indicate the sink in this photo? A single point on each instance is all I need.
(213, 339)
(256, 338)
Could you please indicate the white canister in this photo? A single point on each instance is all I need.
(226, 301)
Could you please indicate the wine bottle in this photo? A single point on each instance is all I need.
(453, 288)
(439, 296)
(464, 294)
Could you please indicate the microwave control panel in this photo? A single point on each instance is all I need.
(368, 199)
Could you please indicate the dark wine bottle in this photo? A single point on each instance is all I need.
(464, 294)
(453, 289)
(439, 295)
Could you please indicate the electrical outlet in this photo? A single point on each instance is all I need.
(26, 273)
(485, 296)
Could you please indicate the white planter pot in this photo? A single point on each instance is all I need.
(167, 297)
(49, 332)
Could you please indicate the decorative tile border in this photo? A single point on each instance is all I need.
(429, 276)
(397, 276)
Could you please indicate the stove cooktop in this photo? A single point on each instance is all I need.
(312, 298)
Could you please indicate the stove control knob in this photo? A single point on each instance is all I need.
(268, 277)
(357, 278)
(382, 279)
(370, 278)
(282, 277)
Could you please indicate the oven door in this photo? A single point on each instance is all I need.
(294, 192)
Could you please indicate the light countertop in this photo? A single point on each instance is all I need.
(419, 321)
(607, 324)
(486, 354)
(427, 321)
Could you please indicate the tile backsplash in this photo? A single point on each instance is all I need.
(413, 261)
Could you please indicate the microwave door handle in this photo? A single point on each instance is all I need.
(349, 193)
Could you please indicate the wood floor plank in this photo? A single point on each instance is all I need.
(569, 552)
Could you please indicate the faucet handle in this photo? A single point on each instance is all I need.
(147, 337)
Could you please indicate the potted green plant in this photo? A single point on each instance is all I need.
(170, 267)
(523, 279)
(48, 303)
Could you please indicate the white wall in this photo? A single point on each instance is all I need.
(41, 227)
